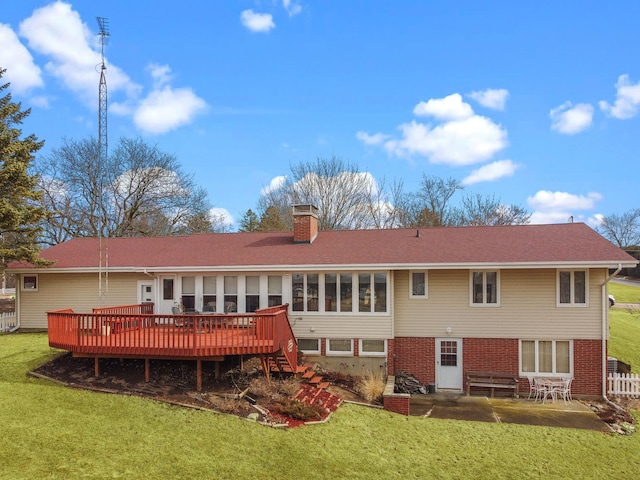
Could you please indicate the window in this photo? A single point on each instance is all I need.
(546, 357)
(230, 294)
(167, 288)
(418, 284)
(209, 294)
(339, 346)
(331, 292)
(252, 291)
(30, 283)
(346, 292)
(189, 293)
(274, 290)
(309, 345)
(373, 348)
(485, 288)
(338, 292)
(572, 288)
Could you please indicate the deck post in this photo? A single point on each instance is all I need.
(146, 370)
(217, 372)
(198, 375)
(96, 366)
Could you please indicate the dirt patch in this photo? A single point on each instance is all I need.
(239, 390)
(617, 414)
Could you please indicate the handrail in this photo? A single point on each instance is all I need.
(110, 331)
(134, 309)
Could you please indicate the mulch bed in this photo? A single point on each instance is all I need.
(174, 381)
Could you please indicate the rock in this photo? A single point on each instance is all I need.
(253, 417)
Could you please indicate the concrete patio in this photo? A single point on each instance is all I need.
(456, 406)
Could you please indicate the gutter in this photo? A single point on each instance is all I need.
(605, 317)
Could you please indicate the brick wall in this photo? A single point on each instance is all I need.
(587, 367)
(305, 228)
(417, 356)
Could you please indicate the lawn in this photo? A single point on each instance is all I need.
(624, 293)
(624, 336)
(50, 431)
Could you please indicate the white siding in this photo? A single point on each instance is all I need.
(78, 291)
(527, 307)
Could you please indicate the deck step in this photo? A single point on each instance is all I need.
(308, 374)
(323, 385)
(315, 380)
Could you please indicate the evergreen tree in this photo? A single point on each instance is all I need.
(20, 210)
(272, 221)
(249, 222)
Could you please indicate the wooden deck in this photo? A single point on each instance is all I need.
(131, 331)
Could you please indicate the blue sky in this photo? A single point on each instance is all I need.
(534, 102)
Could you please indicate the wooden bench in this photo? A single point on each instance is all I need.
(492, 380)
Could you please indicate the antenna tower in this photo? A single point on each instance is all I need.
(103, 268)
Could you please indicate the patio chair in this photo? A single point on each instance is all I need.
(178, 321)
(564, 391)
(532, 388)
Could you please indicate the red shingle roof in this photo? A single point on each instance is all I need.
(452, 246)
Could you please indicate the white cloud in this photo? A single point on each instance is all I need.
(167, 109)
(546, 200)
(490, 172)
(627, 99)
(571, 120)
(375, 139)
(39, 101)
(221, 216)
(22, 72)
(161, 74)
(561, 207)
(58, 32)
(275, 184)
(459, 142)
(448, 108)
(291, 7)
(491, 98)
(257, 22)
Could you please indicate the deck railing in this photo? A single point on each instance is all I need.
(108, 331)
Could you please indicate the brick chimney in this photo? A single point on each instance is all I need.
(305, 223)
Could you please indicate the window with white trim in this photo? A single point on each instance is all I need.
(29, 283)
(546, 357)
(572, 288)
(418, 284)
(230, 293)
(274, 290)
(209, 290)
(252, 293)
(485, 288)
(372, 348)
(339, 346)
(333, 292)
(309, 345)
(189, 293)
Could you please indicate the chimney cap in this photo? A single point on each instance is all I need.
(305, 209)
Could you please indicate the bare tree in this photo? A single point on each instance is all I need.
(489, 211)
(346, 198)
(622, 230)
(137, 191)
(429, 206)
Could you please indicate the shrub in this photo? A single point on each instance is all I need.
(263, 387)
(289, 386)
(299, 410)
(371, 386)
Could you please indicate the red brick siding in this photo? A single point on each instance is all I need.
(397, 404)
(305, 228)
(587, 367)
(416, 355)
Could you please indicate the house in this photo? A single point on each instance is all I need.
(435, 302)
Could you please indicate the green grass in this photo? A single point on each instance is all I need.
(49, 431)
(624, 336)
(624, 293)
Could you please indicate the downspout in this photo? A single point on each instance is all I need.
(605, 331)
(17, 304)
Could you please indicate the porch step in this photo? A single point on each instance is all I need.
(323, 385)
(315, 380)
(308, 374)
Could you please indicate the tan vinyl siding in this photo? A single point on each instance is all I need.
(341, 326)
(78, 291)
(528, 307)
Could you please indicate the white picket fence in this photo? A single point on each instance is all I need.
(624, 384)
(8, 322)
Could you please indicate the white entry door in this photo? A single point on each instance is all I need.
(449, 364)
(167, 295)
